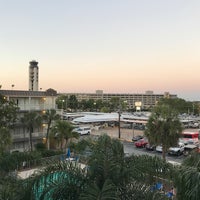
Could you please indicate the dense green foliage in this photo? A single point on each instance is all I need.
(8, 112)
(163, 127)
(187, 179)
(180, 105)
(62, 131)
(108, 175)
(5, 139)
(8, 117)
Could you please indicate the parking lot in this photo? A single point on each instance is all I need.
(129, 147)
(126, 134)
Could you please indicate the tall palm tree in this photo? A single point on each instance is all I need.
(49, 117)
(164, 127)
(32, 120)
(63, 131)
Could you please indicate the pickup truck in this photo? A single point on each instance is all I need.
(177, 150)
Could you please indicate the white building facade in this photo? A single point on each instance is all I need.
(146, 100)
(38, 101)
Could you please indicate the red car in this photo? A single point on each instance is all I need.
(141, 143)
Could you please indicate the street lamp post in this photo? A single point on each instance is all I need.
(133, 129)
(62, 109)
(119, 120)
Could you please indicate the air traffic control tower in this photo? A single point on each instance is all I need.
(33, 75)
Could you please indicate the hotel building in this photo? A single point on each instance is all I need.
(38, 101)
(146, 100)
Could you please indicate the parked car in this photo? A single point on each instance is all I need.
(159, 148)
(150, 147)
(137, 137)
(141, 143)
(83, 130)
(178, 150)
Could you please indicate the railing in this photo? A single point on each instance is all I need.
(26, 135)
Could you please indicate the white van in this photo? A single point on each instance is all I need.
(83, 130)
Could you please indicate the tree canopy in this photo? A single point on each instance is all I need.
(8, 112)
(163, 127)
(8, 117)
(181, 105)
(62, 131)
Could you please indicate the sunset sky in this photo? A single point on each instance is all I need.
(118, 46)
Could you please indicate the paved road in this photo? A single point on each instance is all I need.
(130, 149)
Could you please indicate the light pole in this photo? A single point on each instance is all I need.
(119, 120)
(133, 129)
(193, 109)
(62, 109)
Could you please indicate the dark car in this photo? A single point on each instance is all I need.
(150, 147)
(141, 143)
(137, 137)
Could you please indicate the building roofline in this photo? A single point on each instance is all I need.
(25, 93)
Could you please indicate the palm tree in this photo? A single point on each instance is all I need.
(58, 180)
(5, 139)
(63, 131)
(11, 188)
(187, 179)
(109, 165)
(164, 127)
(136, 191)
(32, 120)
(114, 176)
(49, 117)
(110, 175)
(108, 192)
(148, 169)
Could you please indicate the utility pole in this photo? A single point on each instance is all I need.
(133, 124)
(119, 128)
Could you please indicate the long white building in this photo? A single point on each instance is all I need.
(145, 101)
